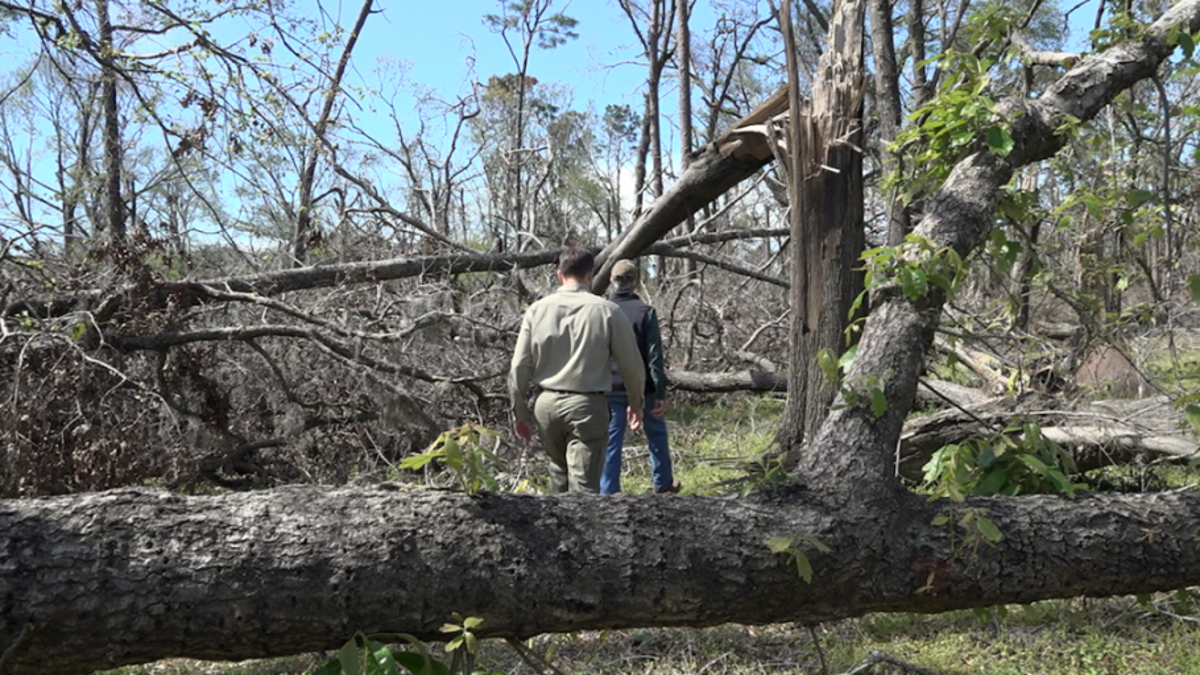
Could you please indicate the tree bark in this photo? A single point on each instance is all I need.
(114, 205)
(888, 110)
(719, 166)
(683, 43)
(130, 576)
(826, 190)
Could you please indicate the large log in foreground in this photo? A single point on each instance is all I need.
(130, 576)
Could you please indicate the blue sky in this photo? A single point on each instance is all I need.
(437, 39)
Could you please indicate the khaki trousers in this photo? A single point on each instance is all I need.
(574, 431)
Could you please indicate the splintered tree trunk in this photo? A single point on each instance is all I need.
(93, 581)
(826, 191)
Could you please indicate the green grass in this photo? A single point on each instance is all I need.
(1178, 370)
(707, 443)
(1115, 636)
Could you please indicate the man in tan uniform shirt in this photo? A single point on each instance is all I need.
(564, 347)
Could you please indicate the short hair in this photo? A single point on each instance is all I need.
(575, 262)
(625, 275)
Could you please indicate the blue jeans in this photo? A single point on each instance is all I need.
(656, 436)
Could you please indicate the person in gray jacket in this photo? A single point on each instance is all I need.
(625, 279)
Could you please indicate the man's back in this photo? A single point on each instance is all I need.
(565, 344)
(571, 333)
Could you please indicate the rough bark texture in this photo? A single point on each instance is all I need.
(114, 205)
(887, 110)
(827, 225)
(135, 575)
(898, 333)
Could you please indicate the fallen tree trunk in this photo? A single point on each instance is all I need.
(718, 383)
(129, 576)
(1097, 434)
(277, 282)
(712, 171)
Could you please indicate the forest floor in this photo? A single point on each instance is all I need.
(712, 445)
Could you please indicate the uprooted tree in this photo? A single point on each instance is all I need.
(98, 580)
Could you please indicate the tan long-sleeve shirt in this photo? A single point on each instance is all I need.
(565, 344)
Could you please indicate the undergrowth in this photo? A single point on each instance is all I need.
(1113, 636)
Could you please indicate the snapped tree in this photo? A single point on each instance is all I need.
(99, 580)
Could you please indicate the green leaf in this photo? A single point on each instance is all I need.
(380, 661)
(988, 529)
(454, 454)
(847, 358)
(348, 657)
(1136, 198)
(1193, 416)
(780, 544)
(472, 642)
(331, 667)
(472, 622)
(828, 365)
(1188, 44)
(455, 643)
(914, 282)
(1034, 463)
(993, 482)
(999, 140)
(415, 462)
(939, 521)
(804, 567)
(817, 543)
(420, 664)
(1193, 283)
(879, 404)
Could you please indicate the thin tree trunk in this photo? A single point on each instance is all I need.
(113, 205)
(683, 43)
(887, 108)
(304, 233)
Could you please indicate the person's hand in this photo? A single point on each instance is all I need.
(635, 419)
(524, 430)
(660, 408)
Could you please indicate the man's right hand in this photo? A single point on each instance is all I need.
(660, 408)
(635, 419)
(524, 430)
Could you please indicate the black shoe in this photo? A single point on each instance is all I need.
(675, 487)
